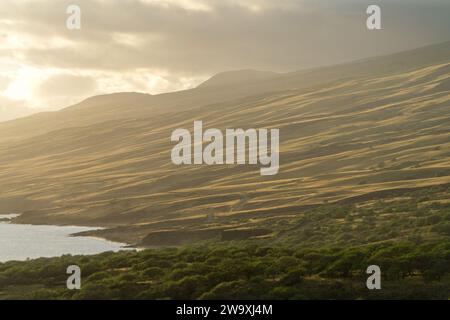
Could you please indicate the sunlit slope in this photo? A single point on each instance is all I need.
(343, 137)
(220, 88)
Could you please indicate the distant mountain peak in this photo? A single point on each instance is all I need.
(118, 95)
(237, 77)
(112, 99)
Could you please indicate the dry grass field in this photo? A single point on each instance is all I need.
(373, 127)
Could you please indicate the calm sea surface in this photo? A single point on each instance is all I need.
(22, 242)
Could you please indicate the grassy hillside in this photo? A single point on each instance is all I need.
(374, 127)
(364, 179)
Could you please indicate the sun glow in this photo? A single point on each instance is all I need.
(22, 86)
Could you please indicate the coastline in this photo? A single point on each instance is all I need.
(23, 241)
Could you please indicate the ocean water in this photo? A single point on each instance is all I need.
(22, 242)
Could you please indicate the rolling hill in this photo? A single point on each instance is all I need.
(10, 110)
(352, 131)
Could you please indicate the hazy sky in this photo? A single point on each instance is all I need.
(164, 45)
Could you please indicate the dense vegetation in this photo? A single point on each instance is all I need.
(322, 253)
(415, 215)
(245, 271)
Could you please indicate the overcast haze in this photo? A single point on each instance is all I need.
(157, 46)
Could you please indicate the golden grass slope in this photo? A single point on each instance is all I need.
(106, 162)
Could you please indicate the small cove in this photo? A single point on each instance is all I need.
(21, 241)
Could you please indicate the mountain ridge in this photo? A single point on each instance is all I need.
(235, 77)
(344, 134)
(271, 81)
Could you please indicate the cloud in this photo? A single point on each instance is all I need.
(156, 45)
(10, 109)
(67, 85)
(4, 82)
